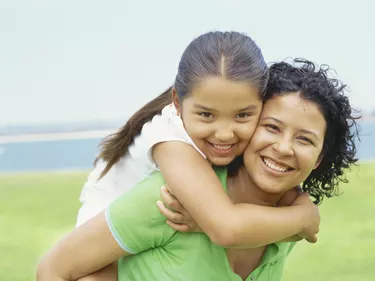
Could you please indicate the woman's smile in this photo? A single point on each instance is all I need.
(275, 166)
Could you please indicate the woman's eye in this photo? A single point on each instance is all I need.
(206, 114)
(272, 128)
(306, 140)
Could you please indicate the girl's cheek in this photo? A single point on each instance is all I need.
(201, 131)
(247, 132)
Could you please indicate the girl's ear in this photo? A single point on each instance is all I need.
(176, 101)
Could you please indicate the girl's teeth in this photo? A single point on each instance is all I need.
(223, 147)
(274, 166)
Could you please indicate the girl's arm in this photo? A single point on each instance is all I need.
(179, 219)
(108, 273)
(192, 180)
(85, 250)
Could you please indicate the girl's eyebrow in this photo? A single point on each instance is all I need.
(202, 107)
(252, 107)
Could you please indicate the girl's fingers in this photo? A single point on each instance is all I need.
(313, 239)
(174, 217)
(178, 227)
(171, 201)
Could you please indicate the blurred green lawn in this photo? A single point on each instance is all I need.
(37, 209)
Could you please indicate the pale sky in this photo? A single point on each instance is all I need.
(66, 61)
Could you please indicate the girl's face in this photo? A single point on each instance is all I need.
(286, 145)
(220, 116)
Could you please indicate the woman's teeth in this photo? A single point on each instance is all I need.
(277, 167)
(222, 147)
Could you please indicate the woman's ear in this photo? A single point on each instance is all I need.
(320, 158)
(176, 101)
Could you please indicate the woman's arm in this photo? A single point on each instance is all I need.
(85, 250)
(194, 183)
(130, 225)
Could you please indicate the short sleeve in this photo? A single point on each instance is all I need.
(291, 247)
(135, 221)
(166, 126)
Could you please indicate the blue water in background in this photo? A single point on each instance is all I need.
(76, 154)
(79, 154)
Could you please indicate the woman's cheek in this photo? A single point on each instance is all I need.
(307, 158)
(262, 136)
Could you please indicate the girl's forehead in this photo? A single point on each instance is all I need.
(219, 89)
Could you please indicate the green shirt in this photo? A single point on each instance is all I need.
(160, 253)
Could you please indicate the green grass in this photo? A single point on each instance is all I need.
(37, 209)
(346, 247)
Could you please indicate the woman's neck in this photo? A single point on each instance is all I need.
(241, 189)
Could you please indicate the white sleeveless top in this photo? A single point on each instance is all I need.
(133, 167)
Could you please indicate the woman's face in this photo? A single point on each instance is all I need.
(220, 116)
(286, 145)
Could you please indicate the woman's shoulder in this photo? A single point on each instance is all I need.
(155, 177)
(152, 181)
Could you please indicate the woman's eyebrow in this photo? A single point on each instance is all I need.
(272, 118)
(305, 131)
(309, 132)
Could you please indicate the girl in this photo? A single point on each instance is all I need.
(304, 135)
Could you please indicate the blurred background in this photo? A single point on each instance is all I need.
(71, 72)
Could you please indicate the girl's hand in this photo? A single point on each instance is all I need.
(289, 197)
(294, 238)
(295, 196)
(177, 216)
(311, 228)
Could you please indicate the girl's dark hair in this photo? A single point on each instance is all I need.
(339, 148)
(232, 55)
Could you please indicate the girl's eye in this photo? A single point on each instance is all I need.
(206, 114)
(243, 115)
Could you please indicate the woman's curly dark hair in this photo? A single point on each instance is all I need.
(339, 147)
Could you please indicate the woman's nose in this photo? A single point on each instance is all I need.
(284, 146)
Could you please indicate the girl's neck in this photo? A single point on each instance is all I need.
(241, 189)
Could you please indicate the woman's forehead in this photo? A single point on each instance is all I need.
(293, 110)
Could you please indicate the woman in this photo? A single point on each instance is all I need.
(208, 116)
(304, 135)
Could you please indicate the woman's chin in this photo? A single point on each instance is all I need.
(271, 187)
